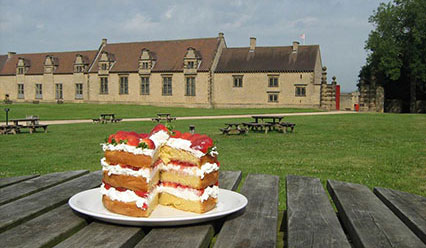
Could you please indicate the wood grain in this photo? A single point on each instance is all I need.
(12, 180)
(311, 220)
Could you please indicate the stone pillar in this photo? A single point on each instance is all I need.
(323, 95)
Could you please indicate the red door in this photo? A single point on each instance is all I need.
(337, 97)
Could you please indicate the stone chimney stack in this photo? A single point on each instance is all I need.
(10, 54)
(252, 44)
(221, 35)
(104, 41)
(295, 46)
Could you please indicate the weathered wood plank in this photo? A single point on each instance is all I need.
(16, 212)
(311, 220)
(191, 236)
(44, 230)
(6, 181)
(99, 234)
(257, 225)
(30, 186)
(410, 208)
(368, 221)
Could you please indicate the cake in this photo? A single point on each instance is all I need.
(164, 167)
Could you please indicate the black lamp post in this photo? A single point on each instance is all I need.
(7, 116)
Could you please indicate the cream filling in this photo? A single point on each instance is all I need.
(126, 148)
(147, 173)
(128, 196)
(184, 193)
(191, 170)
(185, 145)
(159, 138)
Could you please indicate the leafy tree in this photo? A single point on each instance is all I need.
(397, 47)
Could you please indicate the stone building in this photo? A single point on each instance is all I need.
(192, 73)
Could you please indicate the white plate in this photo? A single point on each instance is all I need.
(89, 202)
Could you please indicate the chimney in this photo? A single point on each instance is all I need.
(252, 44)
(295, 46)
(104, 41)
(10, 54)
(220, 35)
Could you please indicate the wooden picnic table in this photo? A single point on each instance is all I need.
(105, 118)
(34, 213)
(269, 122)
(237, 128)
(31, 123)
(164, 117)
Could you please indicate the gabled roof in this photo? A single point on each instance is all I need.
(3, 59)
(65, 61)
(268, 59)
(169, 54)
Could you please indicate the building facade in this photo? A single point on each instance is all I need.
(190, 73)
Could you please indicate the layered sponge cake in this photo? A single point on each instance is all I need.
(164, 167)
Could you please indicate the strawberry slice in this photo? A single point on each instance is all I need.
(158, 128)
(202, 143)
(142, 194)
(144, 206)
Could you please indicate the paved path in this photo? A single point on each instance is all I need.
(200, 117)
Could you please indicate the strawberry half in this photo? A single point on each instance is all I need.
(120, 135)
(133, 140)
(149, 143)
(202, 143)
(158, 128)
(176, 134)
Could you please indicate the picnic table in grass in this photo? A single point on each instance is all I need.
(268, 123)
(105, 118)
(237, 128)
(164, 117)
(31, 123)
(34, 213)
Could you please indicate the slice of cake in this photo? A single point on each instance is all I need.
(164, 166)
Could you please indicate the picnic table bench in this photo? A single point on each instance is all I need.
(268, 123)
(237, 128)
(105, 118)
(164, 117)
(34, 213)
(31, 123)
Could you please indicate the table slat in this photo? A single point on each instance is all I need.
(30, 186)
(192, 236)
(368, 221)
(257, 225)
(44, 230)
(12, 180)
(16, 212)
(99, 234)
(311, 220)
(410, 208)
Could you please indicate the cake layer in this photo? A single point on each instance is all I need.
(168, 154)
(187, 205)
(131, 182)
(121, 157)
(192, 181)
(129, 208)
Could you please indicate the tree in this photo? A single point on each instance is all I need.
(397, 46)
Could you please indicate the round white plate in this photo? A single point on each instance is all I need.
(89, 202)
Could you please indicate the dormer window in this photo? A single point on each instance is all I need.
(79, 68)
(191, 61)
(22, 66)
(20, 70)
(80, 63)
(145, 65)
(104, 66)
(190, 65)
(50, 64)
(106, 62)
(146, 61)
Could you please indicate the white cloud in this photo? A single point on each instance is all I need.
(138, 23)
(169, 13)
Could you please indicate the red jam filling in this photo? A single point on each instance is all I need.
(182, 164)
(121, 189)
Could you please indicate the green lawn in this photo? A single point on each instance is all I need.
(75, 111)
(386, 150)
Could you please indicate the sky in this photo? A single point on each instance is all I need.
(339, 27)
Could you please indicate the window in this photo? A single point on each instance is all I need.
(273, 97)
(145, 65)
(79, 68)
(301, 76)
(104, 66)
(273, 82)
(300, 91)
(238, 81)
(39, 91)
(144, 85)
(58, 90)
(124, 85)
(167, 86)
(190, 65)
(104, 86)
(79, 91)
(20, 91)
(190, 86)
(20, 70)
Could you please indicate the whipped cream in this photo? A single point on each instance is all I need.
(191, 170)
(189, 193)
(185, 145)
(128, 196)
(126, 148)
(159, 138)
(147, 173)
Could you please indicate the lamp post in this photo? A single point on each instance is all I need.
(7, 116)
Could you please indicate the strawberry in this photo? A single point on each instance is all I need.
(133, 133)
(176, 134)
(133, 140)
(202, 143)
(150, 144)
(120, 135)
(186, 136)
(195, 137)
(143, 135)
(110, 138)
(158, 128)
(141, 193)
(144, 206)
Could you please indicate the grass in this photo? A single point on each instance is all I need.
(386, 150)
(75, 111)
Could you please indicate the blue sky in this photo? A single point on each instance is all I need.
(340, 27)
